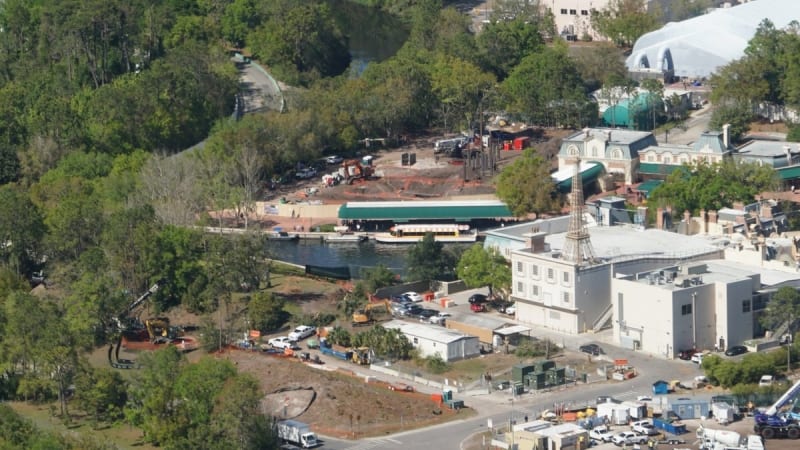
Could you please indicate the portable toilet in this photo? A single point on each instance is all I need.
(660, 387)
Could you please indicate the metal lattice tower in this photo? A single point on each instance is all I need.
(577, 246)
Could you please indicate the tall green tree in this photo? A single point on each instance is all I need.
(783, 308)
(526, 186)
(479, 267)
(623, 21)
(713, 186)
(265, 311)
(429, 260)
(547, 89)
(459, 87)
(302, 45)
(502, 45)
(21, 230)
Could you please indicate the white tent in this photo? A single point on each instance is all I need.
(697, 47)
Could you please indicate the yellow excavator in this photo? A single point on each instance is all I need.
(365, 316)
(160, 331)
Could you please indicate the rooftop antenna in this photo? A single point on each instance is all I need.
(577, 246)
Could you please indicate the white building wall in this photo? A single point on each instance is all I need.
(663, 319)
(734, 309)
(460, 349)
(554, 293)
(575, 15)
(642, 316)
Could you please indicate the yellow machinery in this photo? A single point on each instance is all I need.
(160, 331)
(362, 355)
(364, 316)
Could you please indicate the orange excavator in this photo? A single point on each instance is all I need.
(352, 170)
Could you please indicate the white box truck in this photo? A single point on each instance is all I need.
(297, 433)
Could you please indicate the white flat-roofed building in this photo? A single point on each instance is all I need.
(559, 294)
(432, 340)
(701, 305)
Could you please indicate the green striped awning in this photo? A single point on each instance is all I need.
(789, 173)
(657, 169)
(424, 210)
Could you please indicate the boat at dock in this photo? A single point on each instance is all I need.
(343, 234)
(346, 237)
(413, 233)
(282, 236)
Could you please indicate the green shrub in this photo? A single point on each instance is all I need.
(436, 365)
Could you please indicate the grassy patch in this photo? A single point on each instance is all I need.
(121, 436)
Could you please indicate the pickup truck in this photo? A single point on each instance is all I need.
(628, 438)
(302, 332)
(601, 434)
(281, 342)
(644, 427)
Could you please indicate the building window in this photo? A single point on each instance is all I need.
(520, 267)
(550, 273)
(416, 341)
(566, 277)
(535, 270)
(535, 291)
(520, 288)
(617, 154)
(563, 10)
(651, 158)
(573, 12)
(584, 12)
(667, 160)
(594, 152)
(686, 309)
(746, 306)
(565, 297)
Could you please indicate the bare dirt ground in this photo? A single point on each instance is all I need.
(431, 177)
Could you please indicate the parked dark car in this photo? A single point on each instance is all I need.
(477, 298)
(686, 355)
(412, 311)
(592, 349)
(736, 350)
(427, 313)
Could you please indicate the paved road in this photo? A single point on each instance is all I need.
(498, 405)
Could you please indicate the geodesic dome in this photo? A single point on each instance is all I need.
(697, 47)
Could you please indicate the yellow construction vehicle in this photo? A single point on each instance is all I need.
(160, 331)
(365, 316)
(362, 355)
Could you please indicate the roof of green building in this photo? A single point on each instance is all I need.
(656, 168)
(648, 186)
(789, 173)
(425, 210)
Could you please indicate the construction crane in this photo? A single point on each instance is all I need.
(364, 316)
(121, 324)
(780, 420)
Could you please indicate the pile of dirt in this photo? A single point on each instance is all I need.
(335, 402)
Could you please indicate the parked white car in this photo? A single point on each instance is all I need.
(281, 342)
(644, 427)
(440, 318)
(697, 358)
(413, 296)
(511, 309)
(601, 434)
(334, 159)
(628, 438)
(302, 332)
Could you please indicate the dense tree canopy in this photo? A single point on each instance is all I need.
(479, 267)
(623, 21)
(713, 186)
(526, 186)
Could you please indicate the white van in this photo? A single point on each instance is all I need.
(766, 380)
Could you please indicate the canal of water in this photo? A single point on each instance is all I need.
(357, 256)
